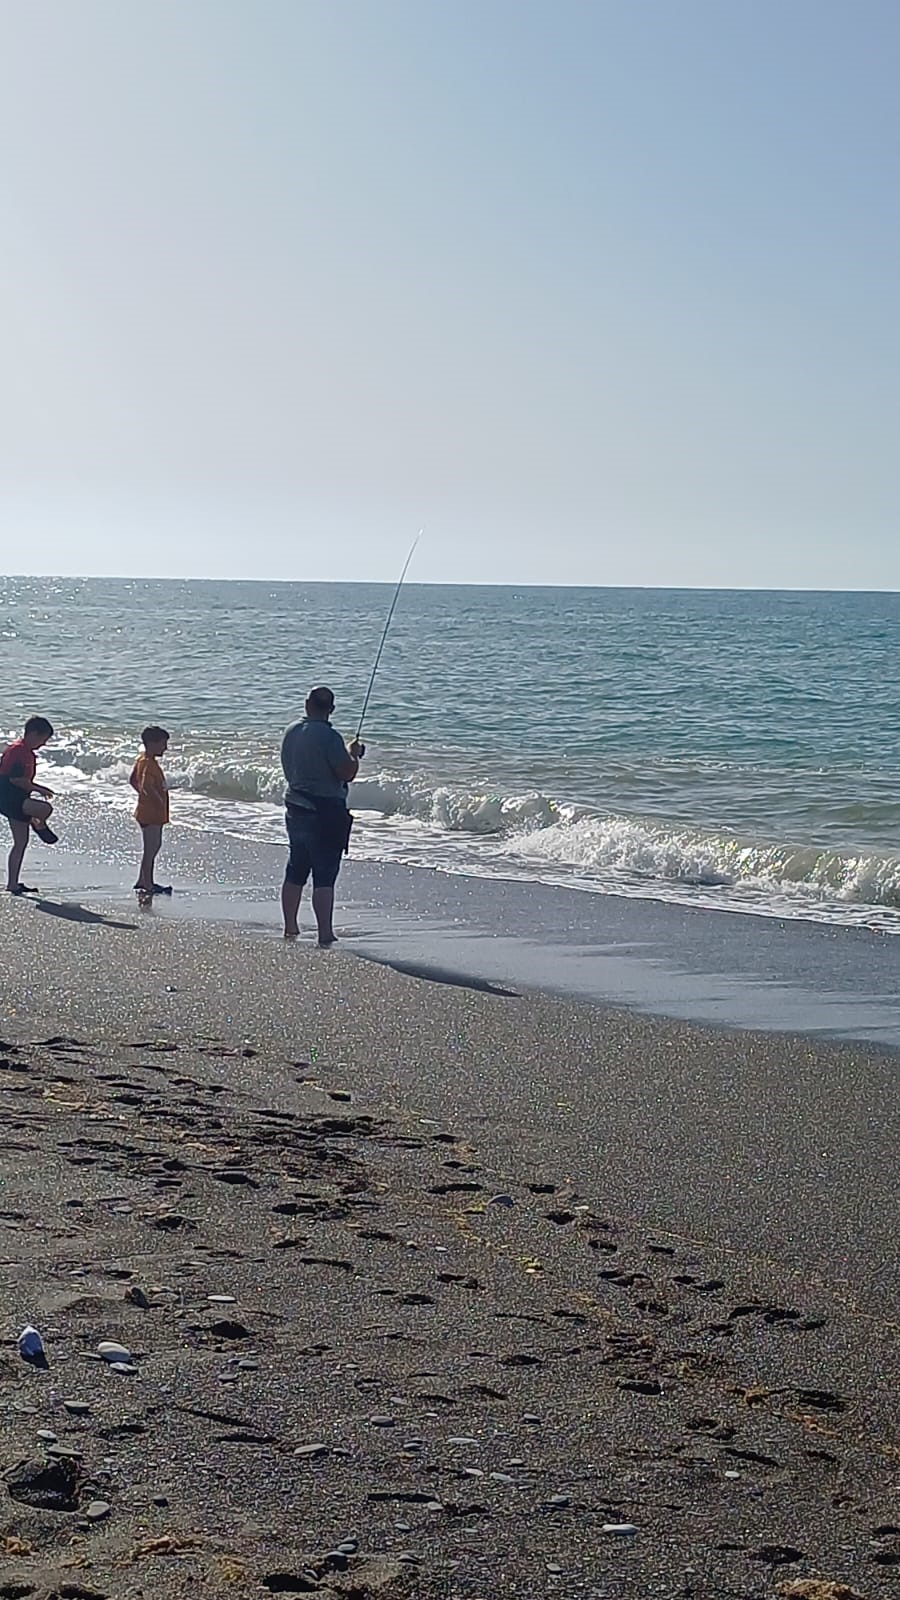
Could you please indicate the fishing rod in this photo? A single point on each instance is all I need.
(390, 615)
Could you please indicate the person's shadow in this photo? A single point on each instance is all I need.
(454, 980)
(71, 911)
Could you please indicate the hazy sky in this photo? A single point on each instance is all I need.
(599, 293)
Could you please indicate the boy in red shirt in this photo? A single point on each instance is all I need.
(152, 809)
(17, 784)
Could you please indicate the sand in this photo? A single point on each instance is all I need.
(508, 1272)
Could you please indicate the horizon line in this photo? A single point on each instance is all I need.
(434, 583)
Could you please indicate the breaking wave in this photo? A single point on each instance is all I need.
(467, 828)
(651, 851)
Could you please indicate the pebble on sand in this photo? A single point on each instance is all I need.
(620, 1530)
(110, 1351)
(97, 1510)
(311, 1452)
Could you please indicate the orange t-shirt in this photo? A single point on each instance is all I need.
(147, 778)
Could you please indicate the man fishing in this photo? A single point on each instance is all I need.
(318, 767)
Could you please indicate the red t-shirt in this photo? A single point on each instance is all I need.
(18, 761)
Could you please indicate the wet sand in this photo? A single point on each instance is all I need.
(714, 967)
(510, 1272)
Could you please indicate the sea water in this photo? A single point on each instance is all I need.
(729, 749)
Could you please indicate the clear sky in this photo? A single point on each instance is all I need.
(598, 292)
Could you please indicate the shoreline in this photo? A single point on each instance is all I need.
(716, 968)
(682, 1246)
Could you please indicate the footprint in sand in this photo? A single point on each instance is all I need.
(173, 1222)
(777, 1555)
(756, 1456)
(887, 1553)
(776, 1315)
(821, 1400)
(653, 1308)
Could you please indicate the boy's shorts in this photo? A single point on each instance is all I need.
(12, 801)
(314, 849)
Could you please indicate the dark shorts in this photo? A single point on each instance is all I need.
(12, 799)
(316, 847)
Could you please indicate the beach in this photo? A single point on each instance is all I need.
(449, 803)
(549, 1297)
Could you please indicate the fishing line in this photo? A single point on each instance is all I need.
(393, 607)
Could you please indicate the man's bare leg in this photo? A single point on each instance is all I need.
(323, 906)
(290, 907)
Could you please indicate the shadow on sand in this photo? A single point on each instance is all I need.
(454, 980)
(71, 911)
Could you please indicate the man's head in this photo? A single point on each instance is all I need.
(155, 740)
(319, 704)
(37, 731)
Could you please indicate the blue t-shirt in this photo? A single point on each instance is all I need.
(312, 754)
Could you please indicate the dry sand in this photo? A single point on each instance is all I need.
(506, 1271)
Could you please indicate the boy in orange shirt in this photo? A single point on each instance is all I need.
(152, 809)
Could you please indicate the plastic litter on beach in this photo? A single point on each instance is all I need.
(31, 1345)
